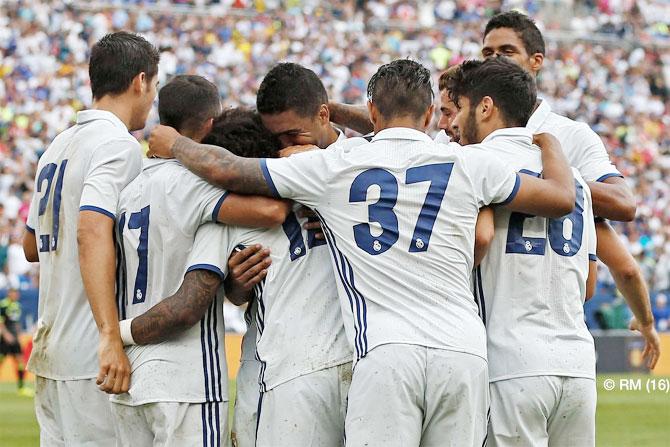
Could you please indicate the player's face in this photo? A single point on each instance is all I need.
(464, 123)
(506, 42)
(448, 111)
(145, 102)
(294, 130)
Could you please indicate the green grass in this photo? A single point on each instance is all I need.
(624, 418)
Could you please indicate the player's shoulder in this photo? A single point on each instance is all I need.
(560, 124)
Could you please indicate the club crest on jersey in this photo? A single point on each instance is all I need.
(376, 246)
(419, 243)
(528, 246)
(138, 295)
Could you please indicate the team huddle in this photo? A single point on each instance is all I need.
(400, 290)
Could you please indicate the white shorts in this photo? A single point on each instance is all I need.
(73, 413)
(306, 411)
(543, 411)
(243, 433)
(407, 395)
(172, 424)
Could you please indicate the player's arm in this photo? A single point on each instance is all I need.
(353, 117)
(246, 268)
(177, 312)
(214, 164)
(484, 232)
(553, 195)
(30, 246)
(97, 261)
(591, 280)
(630, 282)
(253, 211)
(613, 199)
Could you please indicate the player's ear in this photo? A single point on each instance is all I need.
(324, 114)
(485, 108)
(536, 61)
(373, 112)
(139, 84)
(428, 116)
(207, 127)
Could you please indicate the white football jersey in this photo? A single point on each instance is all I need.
(299, 321)
(582, 146)
(533, 279)
(162, 236)
(84, 168)
(399, 214)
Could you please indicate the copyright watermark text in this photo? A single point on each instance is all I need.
(649, 384)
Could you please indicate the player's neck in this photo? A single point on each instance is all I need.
(400, 121)
(333, 135)
(115, 105)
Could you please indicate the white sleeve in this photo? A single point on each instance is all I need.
(194, 198)
(210, 249)
(493, 180)
(591, 157)
(113, 165)
(301, 177)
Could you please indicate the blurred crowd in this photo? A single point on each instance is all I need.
(607, 63)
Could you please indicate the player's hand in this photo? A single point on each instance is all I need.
(248, 267)
(114, 375)
(652, 342)
(546, 141)
(287, 152)
(161, 141)
(313, 222)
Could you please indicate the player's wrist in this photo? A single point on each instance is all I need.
(126, 332)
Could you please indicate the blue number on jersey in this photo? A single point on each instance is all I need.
(293, 230)
(517, 243)
(49, 242)
(382, 211)
(141, 220)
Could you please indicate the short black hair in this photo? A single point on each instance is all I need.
(187, 101)
(241, 132)
(523, 25)
(512, 88)
(115, 61)
(401, 88)
(289, 86)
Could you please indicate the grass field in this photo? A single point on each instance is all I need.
(624, 418)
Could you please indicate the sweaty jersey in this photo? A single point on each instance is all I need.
(399, 215)
(533, 279)
(84, 168)
(298, 318)
(160, 239)
(582, 146)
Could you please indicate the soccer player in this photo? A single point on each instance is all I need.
(516, 36)
(70, 230)
(403, 259)
(10, 322)
(294, 118)
(179, 387)
(534, 279)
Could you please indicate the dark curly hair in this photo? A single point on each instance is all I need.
(401, 88)
(510, 87)
(289, 86)
(241, 132)
(524, 27)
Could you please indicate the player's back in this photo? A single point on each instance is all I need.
(533, 282)
(582, 147)
(69, 179)
(399, 214)
(299, 320)
(159, 215)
